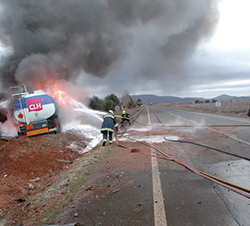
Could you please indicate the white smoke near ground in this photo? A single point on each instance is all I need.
(8, 128)
(4, 104)
(75, 114)
(78, 118)
(74, 117)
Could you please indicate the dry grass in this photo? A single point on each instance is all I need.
(234, 108)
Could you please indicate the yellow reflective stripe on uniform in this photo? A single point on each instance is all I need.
(109, 116)
(107, 129)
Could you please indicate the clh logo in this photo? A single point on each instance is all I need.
(35, 104)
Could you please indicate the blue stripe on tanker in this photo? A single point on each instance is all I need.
(46, 99)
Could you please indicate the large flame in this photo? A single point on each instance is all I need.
(61, 97)
(64, 92)
(57, 93)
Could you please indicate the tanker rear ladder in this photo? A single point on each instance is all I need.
(17, 92)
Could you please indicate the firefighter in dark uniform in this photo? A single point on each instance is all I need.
(107, 129)
(125, 117)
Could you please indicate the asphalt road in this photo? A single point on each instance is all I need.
(145, 190)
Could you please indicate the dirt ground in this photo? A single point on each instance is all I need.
(29, 166)
(39, 175)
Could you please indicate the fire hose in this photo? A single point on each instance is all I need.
(207, 176)
(223, 183)
(116, 140)
(204, 146)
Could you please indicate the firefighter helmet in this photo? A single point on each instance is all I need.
(110, 111)
(123, 112)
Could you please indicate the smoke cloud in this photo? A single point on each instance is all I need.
(53, 40)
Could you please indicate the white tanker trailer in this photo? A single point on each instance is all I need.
(34, 112)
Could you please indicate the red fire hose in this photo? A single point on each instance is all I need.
(116, 140)
(218, 181)
(196, 171)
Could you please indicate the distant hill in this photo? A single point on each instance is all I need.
(225, 97)
(149, 98)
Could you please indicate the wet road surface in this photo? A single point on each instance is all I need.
(136, 189)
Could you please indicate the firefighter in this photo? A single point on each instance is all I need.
(125, 117)
(108, 125)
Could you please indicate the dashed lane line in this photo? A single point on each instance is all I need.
(149, 121)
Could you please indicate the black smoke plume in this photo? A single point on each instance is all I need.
(50, 40)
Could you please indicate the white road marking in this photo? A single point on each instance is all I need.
(229, 135)
(159, 209)
(149, 121)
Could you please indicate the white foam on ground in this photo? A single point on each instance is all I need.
(148, 139)
(77, 118)
(141, 129)
(172, 137)
(92, 135)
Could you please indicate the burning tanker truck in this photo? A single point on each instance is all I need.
(34, 112)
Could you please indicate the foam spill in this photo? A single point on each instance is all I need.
(169, 137)
(148, 139)
(90, 134)
(141, 129)
(86, 122)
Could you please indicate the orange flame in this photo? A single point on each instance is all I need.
(60, 95)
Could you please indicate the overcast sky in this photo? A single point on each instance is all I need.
(220, 65)
(184, 48)
(223, 61)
